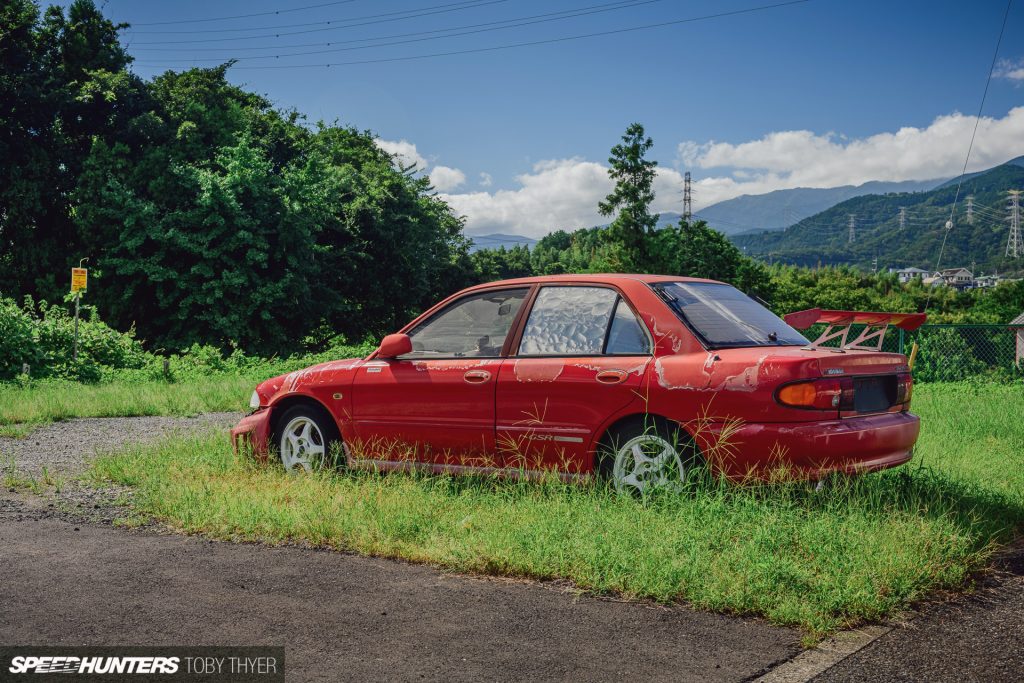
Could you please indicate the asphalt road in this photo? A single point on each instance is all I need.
(344, 617)
(973, 637)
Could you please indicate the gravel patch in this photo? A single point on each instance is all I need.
(64, 448)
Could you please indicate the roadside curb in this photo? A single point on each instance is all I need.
(824, 656)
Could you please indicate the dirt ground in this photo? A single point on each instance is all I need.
(70, 578)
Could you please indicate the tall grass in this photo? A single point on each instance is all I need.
(820, 560)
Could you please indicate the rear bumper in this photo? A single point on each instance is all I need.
(811, 450)
(252, 434)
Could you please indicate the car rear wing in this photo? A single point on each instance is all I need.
(838, 324)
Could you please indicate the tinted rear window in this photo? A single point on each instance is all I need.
(723, 316)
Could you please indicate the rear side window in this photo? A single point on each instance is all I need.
(625, 336)
(578, 321)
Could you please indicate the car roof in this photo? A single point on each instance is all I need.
(599, 278)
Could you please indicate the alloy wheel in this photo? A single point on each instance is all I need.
(645, 463)
(302, 445)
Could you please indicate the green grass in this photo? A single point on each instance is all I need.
(24, 408)
(822, 561)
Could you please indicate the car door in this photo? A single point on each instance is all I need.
(436, 404)
(581, 358)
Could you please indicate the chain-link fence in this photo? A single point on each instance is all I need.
(949, 353)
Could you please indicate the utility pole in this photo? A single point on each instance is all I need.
(687, 199)
(970, 209)
(853, 228)
(903, 217)
(1015, 245)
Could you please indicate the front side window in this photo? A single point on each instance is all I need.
(723, 316)
(578, 321)
(473, 327)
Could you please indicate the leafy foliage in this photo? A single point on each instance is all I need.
(43, 337)
(208, 215)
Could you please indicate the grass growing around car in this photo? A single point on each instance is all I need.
(822, 561)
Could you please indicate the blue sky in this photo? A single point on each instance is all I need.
(754, 99)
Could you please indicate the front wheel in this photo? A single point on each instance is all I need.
(645, 455)
(307, 439)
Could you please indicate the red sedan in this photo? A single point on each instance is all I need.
(638, 378)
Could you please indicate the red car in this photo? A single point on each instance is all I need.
(635, 377)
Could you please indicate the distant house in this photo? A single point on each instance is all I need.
(905, 275)
(1018, 325)
(959, 278)
(987, 280)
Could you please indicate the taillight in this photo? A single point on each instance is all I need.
(820, 394)
(904, 388)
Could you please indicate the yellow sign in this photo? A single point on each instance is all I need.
(79, 280)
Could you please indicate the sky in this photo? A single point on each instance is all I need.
(817, 93)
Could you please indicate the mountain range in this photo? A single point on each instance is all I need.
(879, 241)
(782, 208)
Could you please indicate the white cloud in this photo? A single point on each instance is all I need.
(559, 193)
(802, 158)
(405, 151)
(564, 193)
(1011, 69)
(445, 178)
(486, 180)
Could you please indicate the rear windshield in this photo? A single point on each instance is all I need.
(723, 316)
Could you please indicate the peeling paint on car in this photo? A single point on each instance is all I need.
(538, 370)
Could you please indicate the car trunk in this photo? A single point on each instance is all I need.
(871, 380)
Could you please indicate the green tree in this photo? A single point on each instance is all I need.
(631, 199)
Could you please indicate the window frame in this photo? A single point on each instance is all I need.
(430, 316)
(514, 350)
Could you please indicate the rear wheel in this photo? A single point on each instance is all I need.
(647, 454)
(308, 439)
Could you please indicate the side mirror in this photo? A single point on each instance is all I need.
(394, 345)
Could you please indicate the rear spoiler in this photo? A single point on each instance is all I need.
(839, 323)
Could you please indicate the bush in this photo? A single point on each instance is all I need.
(43, 336)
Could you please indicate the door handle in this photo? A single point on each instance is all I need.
(611, 376)
(476, 376)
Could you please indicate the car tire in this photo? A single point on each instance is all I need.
(307, 439)
(647, 453)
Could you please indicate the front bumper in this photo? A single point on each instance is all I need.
(811, 450)
(252, 434)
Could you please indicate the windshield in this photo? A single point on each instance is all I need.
(722, 316)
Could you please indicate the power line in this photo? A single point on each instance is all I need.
(531, 43)
(963, 172)
(245, 16)
(332, 25)
(610, 5)
(593, 10)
